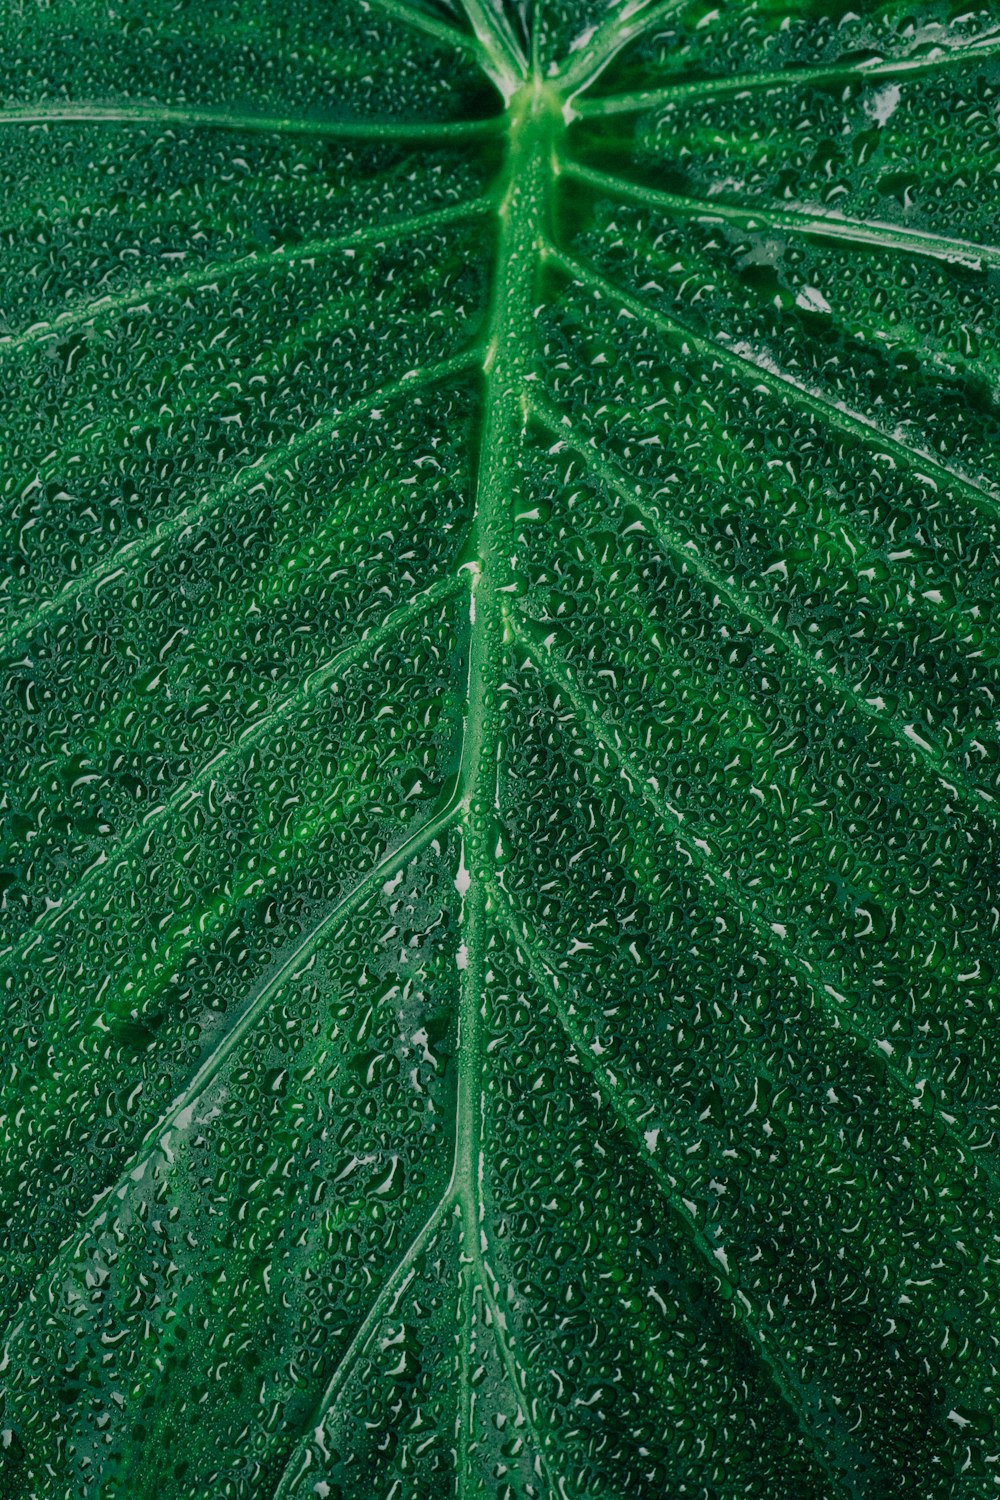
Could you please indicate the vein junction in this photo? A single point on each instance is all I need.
(536, 122)
(535, 127)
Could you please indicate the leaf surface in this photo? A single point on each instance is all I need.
(499, 880)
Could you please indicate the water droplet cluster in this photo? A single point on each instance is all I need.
(498, 847)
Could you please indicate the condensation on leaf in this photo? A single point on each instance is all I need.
(499, 884)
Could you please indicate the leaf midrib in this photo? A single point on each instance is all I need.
(508, 350)
(522, 213)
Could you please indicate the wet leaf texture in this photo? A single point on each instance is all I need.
(498, 886)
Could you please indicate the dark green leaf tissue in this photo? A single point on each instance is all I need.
(500, 743)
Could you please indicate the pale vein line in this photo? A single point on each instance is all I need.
(150, 113)
(422, 20)
(954, 366)
(701, 855)
(469, 1091)
(113, 304)
(610, 737)
(248, 478)
(460, 1183)
(741, 360)
(516, 1373)
(470, 1117)
(184, 794)
(457, 1191)
(537, 19)
(895, 728)
(589, 60)
(618, 1100)
(384, 1305)
(710, 88)
(526, 189)
(178, 1114)
(796, 220)
(507, 65)
(466, 1396)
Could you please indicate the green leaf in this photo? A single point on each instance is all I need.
(500, 871)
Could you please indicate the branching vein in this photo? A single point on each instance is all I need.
(109, 866)
(548, 977)
(271, 463)
(805, 967)
(893, 726)
(186, 117)
(111, 305)
(983, 49)
(178, 1116)
(748, 364)
(815, 222)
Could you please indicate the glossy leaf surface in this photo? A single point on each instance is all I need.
(499, 881)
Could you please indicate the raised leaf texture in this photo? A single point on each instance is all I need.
(499, 885)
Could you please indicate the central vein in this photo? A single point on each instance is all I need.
(535, 120)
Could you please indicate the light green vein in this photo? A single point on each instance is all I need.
(276, 459)
(181, 798)
(506, 64)
(442, 31)
(96, 437)
(465, 1413)
(456, 1192)
(848, 320)
(796, 220)
(892, 725)
(522, 212)
(711, 88)
(503, 359)
(177, 1115)
(741, 360)
(697, 848)
(587, 61)
(548, 977)
(516, 1373)
(113, 304)
(701, 854)
(149, 113)
(384, 1305)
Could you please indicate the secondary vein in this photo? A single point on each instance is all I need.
(745, 362)
(275, 459)
(891, 725)
(177, 1115)
(113, 304)
(815, 222)
(149, 112)
(544, 971)
(739, 83)
(180, 799)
